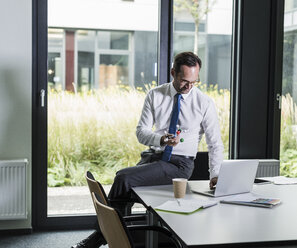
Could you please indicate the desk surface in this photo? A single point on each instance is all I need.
(225, 223)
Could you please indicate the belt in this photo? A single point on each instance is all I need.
(161, 152)
(182, 156)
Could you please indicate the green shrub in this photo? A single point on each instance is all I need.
(288, 144)
(95, 131)
(288, 166)
(92, 131)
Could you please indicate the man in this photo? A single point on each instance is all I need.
(178, 111)
(168, 157)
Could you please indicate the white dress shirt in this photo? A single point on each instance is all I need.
(197, 116)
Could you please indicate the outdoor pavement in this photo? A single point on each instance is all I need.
(72, 200)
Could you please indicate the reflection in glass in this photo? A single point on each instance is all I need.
(113, 70)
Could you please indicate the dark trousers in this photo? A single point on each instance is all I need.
(151, 170)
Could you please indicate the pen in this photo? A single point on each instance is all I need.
(178, 202)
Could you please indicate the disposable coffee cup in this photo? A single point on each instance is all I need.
(179, 187)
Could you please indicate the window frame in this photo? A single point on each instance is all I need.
(243, 99)
(264, 59)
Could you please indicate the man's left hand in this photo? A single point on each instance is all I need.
(213, 182)
(169, 140)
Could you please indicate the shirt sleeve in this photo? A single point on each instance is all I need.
(214, 142)
(144, 132)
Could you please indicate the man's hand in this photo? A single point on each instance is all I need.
(169, 140)
(213, 182)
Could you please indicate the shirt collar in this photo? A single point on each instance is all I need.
(173, 92)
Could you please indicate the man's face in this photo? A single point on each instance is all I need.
(185, 79)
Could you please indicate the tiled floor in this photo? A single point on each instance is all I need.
(65, 239)
(61, 239)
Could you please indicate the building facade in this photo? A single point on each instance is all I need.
(88, 48)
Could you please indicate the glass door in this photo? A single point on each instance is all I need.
(99, 68)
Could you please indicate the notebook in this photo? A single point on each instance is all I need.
(253, 200)
(235, 177)
(185, 206)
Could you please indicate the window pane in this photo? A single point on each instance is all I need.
(113, 70)
(102, 58)
(288, 144)
(206, 30)
(183, 43)
(113, 40)
(85, 59)
(55, 51)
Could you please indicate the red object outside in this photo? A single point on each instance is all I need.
(69, 60)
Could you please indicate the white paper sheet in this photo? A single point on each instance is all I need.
(281, 180)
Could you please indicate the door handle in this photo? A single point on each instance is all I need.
(42, 95)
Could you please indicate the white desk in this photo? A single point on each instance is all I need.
(229, 224)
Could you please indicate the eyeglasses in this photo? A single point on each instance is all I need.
(184, 82)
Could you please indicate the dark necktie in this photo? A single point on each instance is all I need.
(172, 128)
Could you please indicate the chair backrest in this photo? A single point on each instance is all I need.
(111, 225)
(96, 187)
(200, 171)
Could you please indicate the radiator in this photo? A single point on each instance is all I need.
(13, 203)
(268, 168)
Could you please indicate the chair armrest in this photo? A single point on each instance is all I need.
(135, 217)
(113, 202)
(123, 204)
(123, 201)
(159, 229)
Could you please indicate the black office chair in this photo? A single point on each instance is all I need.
(200, 171)
(96, 238)
(117, 233)
(96, 187)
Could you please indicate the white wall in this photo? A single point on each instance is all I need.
(15, 89)
(139, 15)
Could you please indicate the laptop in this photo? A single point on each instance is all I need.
(235, 177)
